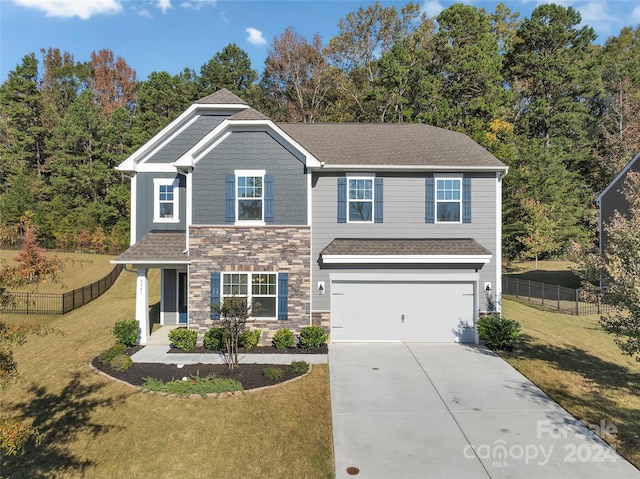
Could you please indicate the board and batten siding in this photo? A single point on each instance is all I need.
(404, 217)
(145, 199)
(255, 150)
(187, 138)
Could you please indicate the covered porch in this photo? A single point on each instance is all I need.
(166, 251)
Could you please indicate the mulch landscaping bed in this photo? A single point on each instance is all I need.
(249, 375)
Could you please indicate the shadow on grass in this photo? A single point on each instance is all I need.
(59, 418)
(596, 404)
(566, 279)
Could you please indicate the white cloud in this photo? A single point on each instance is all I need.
(83, 9)
(164, 5)
(143, 12)
(432, 8)
(197, 4)
(255, 36)
(635, 15)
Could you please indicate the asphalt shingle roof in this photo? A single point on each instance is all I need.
(157, 247)
(406, 144)
(402, 247)
(222, 96)
(248, 114)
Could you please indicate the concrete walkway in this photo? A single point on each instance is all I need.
(160, 354)
(454, 411)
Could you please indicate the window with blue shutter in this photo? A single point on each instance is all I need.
(214, 298)
(429, 201)
(283, 296)
(342, 200)
(378, 199)
(466, 200)
(268, 199)
(230, 211)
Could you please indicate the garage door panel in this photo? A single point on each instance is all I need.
(411, 311)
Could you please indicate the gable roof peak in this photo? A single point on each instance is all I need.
(222, 96)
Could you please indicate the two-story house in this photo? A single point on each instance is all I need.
(613, 199)
(378, 232)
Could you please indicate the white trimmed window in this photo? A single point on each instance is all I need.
(259, 288)
(165, 200)
(250, 196)
(448, 198)
(360, 196)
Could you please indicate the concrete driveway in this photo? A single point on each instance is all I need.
(454, 411)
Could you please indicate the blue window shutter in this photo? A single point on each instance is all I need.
(231, 199)
(268, 198)
(342, 200)
(215, 294)
(466, 200)
(283, 296)
(379, 197)
(429, 201)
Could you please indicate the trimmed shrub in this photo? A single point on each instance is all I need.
(500, 333)
(272, 374)
(183, 338)
(299, 367)
(313, 337)
(107, 356)
(126, 331)
(283, 339)
(249, 338)
(121, 362)
(214, 339)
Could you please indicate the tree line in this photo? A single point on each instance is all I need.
(559, 109)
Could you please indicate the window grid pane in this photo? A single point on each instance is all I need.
(360, 199)
(448, 195)
(263, 290)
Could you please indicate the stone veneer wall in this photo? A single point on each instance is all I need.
(279, 249)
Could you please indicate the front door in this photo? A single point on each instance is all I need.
(182, 298)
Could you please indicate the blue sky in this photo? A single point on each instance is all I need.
(169, 35)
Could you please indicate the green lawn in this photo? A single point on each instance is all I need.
(80, 270)
(98, 428)
(580, 367)
(555, 273)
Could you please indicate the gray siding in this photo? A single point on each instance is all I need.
(170, 284)
(144, 201)
(187, 138)
(248, 151)
(612, 201)
(404, 217)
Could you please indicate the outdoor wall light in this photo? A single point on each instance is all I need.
(487, 288)
(320, 287)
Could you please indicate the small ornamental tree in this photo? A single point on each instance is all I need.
(234, 312)
(33, 262)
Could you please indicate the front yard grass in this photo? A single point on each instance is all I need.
(80, 269)
(551, 272)
(95, 427)
(579, 366)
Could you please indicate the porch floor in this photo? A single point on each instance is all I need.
(160, 337)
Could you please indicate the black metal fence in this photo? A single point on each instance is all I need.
(57, 303)
(569, 300)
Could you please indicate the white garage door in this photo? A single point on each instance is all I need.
(411, 311)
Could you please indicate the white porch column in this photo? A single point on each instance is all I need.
(142, 304)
